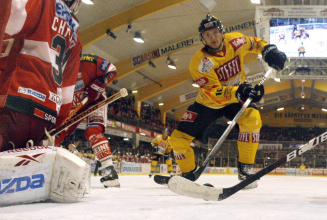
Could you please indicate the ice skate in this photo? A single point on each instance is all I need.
(110, 177)
(150, 174)
(193, 175)
(244, 172)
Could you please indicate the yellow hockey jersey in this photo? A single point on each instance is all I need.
(163, 145)
(219, 75)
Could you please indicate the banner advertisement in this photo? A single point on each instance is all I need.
(164, 51)
(290, 11)
(217, 170)
(279, 99)
(188, 96)
(131, 168)
(254, 78)
(270, 146)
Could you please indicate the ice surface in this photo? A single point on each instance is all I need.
(277, 197)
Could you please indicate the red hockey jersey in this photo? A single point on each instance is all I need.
(92, 67)
(39, 59)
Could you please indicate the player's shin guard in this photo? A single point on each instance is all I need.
(101, 148)
(248, 142)
(169, 163)
(184, 154)
(153, 165)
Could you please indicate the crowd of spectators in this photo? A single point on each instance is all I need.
(150, 118)
(124, 110)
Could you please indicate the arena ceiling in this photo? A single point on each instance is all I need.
(169, 28)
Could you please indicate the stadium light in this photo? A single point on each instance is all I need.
(255, 1)
(280, 109)
(88, 2)
(138, 38)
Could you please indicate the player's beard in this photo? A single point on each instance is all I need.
(212, 50)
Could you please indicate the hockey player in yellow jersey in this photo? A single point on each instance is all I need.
(218, 70)
(161, 145)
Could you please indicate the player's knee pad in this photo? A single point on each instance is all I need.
(154, 163)
(180, 141)
(169, 162)
(39, 173)
(250, 120)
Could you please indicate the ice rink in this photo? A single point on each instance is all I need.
(277, 197)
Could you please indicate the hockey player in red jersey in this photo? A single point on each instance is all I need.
(218, 70)
(94, 75)
(38, 68)
(5, 6)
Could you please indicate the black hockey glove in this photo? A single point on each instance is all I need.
(245, 91)
(275, 58)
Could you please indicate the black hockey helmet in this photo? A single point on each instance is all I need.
(73, 5)
(210, 22)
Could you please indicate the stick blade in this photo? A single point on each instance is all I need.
(191, 189)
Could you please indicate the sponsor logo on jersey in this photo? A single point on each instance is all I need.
(205, 65)
(244, 137)
(89, 58)
(237, 42)
(255, 138)
(77, 98)
(104, 66)
(189, 116)
(31, 92)
(55, 98)
(97, 88)
(179, 156)
(79, 85)
(162, 144)
(62, 11)
(21, 183)
(202, 81)
(45, 116)
(229, 69)
(27, 159)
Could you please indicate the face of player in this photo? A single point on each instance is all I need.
(165, 135)
(213, 38)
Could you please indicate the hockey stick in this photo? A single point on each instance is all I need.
(164, 179)
(188, 188)
(77, 118)
(78, 108)
(169, 157)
